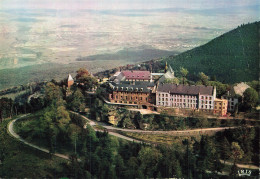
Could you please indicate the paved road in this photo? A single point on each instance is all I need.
(11, 131)
(173, 132)
(94, 123)
(241, 165)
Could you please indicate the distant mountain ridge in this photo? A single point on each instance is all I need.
(231, 57)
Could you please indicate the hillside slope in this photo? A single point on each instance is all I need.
(232, 57)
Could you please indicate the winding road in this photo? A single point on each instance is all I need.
(10, 130)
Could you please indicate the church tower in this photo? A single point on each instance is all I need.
(70, 81)
(166, 68)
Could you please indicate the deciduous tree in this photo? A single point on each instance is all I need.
(184, 72)
(250, 98)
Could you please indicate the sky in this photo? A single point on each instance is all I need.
(124, 4)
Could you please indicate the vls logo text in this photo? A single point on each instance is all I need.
(244, 172)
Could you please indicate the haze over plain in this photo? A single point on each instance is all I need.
(35, 32)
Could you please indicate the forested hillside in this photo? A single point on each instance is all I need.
(232, 57)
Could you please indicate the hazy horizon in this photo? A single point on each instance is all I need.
(36, 32)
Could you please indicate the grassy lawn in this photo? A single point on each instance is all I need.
(21, 161)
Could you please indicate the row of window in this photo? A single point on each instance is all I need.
(128, 93)
(206, 97)
(177, 100)
(183, 105)
(131, 98)
(176, 96)
(125, 102)
(216, 107)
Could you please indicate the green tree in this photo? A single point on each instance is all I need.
(149, 158)
(6, 108)
(236, 152)
(172, 81)
(221, 88)
(52, 93)
(76, 102)
(82, 73)
(184, 72)
(250, 98)
(225, 149)
(203, 78)
(86, 81)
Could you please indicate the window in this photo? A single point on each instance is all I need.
(141, 98)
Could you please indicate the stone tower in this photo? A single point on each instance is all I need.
(70, 81)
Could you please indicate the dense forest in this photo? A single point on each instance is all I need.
(232, 57)
(99, 155)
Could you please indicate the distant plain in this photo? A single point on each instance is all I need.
(102, 39)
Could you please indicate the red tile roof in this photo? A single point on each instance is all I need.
(137, 75)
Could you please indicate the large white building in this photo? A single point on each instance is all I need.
(186, 96)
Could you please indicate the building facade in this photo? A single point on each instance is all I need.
(186, 96)
(139, 93)
(220, 107)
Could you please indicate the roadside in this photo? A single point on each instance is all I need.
(10, 130)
